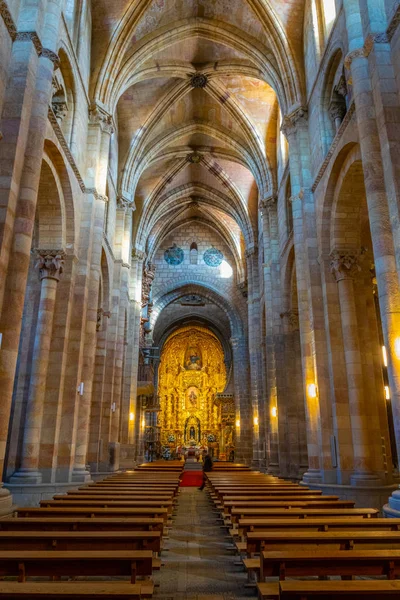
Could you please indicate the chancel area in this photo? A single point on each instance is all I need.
(199, 298)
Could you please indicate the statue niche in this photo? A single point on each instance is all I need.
(192, 431)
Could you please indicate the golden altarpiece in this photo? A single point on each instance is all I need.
(192, 374)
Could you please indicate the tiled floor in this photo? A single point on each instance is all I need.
(198, 565)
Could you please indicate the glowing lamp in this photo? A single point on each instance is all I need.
(274, 411)
(237, 422)
(397, 347)
(143, 422)
(387, 392)
(131, 416)
(384, 356)
(312, 390)
(256, 421)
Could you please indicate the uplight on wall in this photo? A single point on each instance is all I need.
(131, 416)
(237, 422)
(274, 411)
(256, 421)
(397, 347)
(384, 356)
(143, 422)
(387, 392)
(312, 390)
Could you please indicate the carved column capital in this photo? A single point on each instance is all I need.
(269, 203)
(50, 263)
(292, 319)
(99, 116)
(344, 265)
(293, 120)
(138, 255)
(299, 196)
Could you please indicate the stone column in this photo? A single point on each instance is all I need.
(258, 403)
(100, 131)
(243, 407)
(50, 264)
(344, 267)
(295, 127)
(381, 213)
(271, 276)
(24, 121)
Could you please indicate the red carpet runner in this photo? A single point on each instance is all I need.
(192, 479)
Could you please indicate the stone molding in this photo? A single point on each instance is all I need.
(63, 143)
(347, 118)
(50, 263)
(251, 250)
(123, 204)
(394, 23)
(8, 20)
(344, 265)
(365, 51)
(108, 246)
(32, 36)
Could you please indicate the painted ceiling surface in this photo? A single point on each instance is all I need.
(195, 88)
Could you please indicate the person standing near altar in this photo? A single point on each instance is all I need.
(207, 467)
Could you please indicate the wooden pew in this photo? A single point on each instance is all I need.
(315, 524)
(80, 540)
(69, 503)
(75, 590)
(323, 563)
(78, 524)
(229, 507)
(54, 563)
(338, 590)
(114, 496)
(258, 541)
(91, 512)
(302, 513)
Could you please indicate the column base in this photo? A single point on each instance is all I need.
(312, 476)
(81, 476)
(391, 510)
(6, 502)
(26, 477)
(365, 497)
(365, 479)
(30, 494)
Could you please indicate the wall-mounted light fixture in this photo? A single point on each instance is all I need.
(274, 411)
(256, 421)
(397, 347)
(143, 422)
(131, 416)
(312, 390)
(384, 356)
(237, 422)
(81, 388)
(113, 407)
(387, 392)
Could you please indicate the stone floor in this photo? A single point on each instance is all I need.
(198, 565)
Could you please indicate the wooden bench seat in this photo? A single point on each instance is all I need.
(121, 493)
(109, 502)
(113, 496)
(301, 513)
(76, 524)
(80, 540)
(290, 563)
(90, 512)
(308, 540)
(54, 563)
(75, 590)
(334, 590)
(228, 506)
(315, 524)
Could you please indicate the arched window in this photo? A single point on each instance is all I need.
(323, 15)
(328, 8)
(334, 99)
(193, 254)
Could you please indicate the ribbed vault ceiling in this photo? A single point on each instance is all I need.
(195, 88)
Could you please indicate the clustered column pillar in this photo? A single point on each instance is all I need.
(377, 199)
(345, 267)
(50, 264)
